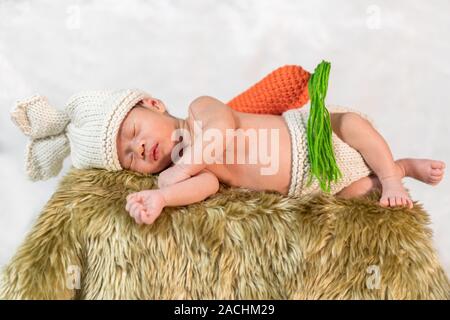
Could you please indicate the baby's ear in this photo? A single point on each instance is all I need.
(153, 103)
(147, 102)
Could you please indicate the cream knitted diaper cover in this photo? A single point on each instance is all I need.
(350, 162)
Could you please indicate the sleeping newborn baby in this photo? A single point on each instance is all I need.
(130, 129)
(258, 152)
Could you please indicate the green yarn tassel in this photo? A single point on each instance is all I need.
(320, 146)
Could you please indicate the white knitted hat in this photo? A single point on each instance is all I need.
(87, 129)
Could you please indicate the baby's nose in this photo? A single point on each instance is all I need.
(140, 149)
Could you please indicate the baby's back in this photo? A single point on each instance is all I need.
(259, 157)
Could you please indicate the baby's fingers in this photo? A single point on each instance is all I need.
(134, 199)
(134, 209)
(131, 196)
(136, 196)
(129, 204)
(138, 215)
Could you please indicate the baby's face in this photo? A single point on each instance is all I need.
(144, 138)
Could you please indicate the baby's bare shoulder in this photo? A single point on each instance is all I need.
(204, 105)
(211, 111)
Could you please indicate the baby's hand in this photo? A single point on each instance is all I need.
(171, 176)
(145, 206)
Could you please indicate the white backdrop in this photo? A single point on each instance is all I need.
(389, 60)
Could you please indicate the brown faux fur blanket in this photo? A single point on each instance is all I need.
(236, 244)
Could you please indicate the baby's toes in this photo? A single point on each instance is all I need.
(436, 177)
(410, 204)
(384, 201)
(395, 201)
(436, 172)
(407, 202)
(438, 165)
(392, 201)
(404, 202)
(435, 181)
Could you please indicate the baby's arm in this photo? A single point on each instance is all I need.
(145, 206)
(212, 114)
(192, 190)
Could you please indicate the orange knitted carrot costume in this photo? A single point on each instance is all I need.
(283, 89)
(291, 87)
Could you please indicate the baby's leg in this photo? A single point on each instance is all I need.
(360, 134)
(425, 170)
(360, 187)
(367, 184)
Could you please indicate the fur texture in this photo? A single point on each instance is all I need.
(237, 244)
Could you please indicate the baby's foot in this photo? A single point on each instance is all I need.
(393, 193)
(425, 170)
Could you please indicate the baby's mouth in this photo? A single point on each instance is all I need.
(155, 152)
(150, 153)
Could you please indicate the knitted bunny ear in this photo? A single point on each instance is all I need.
(49, 144)
(37, 119)
(45, 156)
